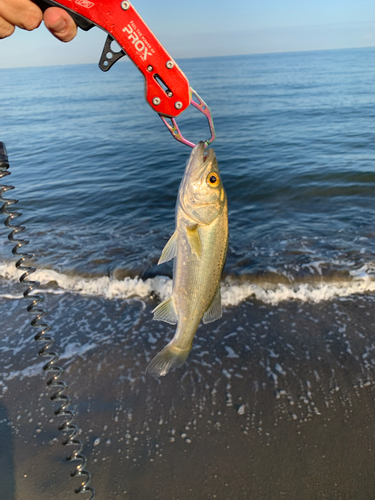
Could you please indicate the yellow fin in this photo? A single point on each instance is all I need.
(166, 311)
(170, 250)
(194, 240)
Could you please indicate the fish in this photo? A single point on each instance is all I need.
(199, 247)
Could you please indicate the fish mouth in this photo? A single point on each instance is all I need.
(208, 155)
(192, 193)
(200, 158)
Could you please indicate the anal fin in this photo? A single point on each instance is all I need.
(214, 310)
(166, 312)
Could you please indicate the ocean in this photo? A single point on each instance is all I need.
(276, 399)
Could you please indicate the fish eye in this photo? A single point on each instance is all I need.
(213, 179)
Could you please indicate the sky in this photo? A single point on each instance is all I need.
(201, 28)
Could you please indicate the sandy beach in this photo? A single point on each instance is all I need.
(274, 402)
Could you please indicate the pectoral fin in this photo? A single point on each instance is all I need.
(170, 249)
(194, 240)
(214, 310)
(166, 312)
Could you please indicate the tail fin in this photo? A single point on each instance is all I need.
(168, 359)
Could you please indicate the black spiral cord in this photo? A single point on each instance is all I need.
(70, 429)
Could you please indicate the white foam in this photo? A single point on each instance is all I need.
(362, 281)
(365, 272)
(10, 296)
(103, 286)
(234, 294)
(231, 353)
(30, 371)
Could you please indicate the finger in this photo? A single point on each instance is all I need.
(60, 24)
(6, 29)
(22, 13)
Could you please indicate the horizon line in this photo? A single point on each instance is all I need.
(127, 59)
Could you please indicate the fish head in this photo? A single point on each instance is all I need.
(202, 195)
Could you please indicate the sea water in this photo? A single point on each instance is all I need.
(284, 381)
(97, 173)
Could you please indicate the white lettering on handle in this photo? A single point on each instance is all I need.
(139, 44)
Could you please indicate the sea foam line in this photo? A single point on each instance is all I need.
(232, 294)
(235, 294)
(103, 286)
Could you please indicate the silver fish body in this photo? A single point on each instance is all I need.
(198, 247)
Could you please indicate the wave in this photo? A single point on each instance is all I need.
(233, 290)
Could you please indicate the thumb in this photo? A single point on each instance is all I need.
(60, 24)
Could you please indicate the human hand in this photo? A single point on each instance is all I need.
(60, 24)
(26, 15)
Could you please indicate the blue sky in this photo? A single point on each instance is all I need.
(220, 28)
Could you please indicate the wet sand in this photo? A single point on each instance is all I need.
(274, 402)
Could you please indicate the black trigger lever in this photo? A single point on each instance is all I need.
(109, 56)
